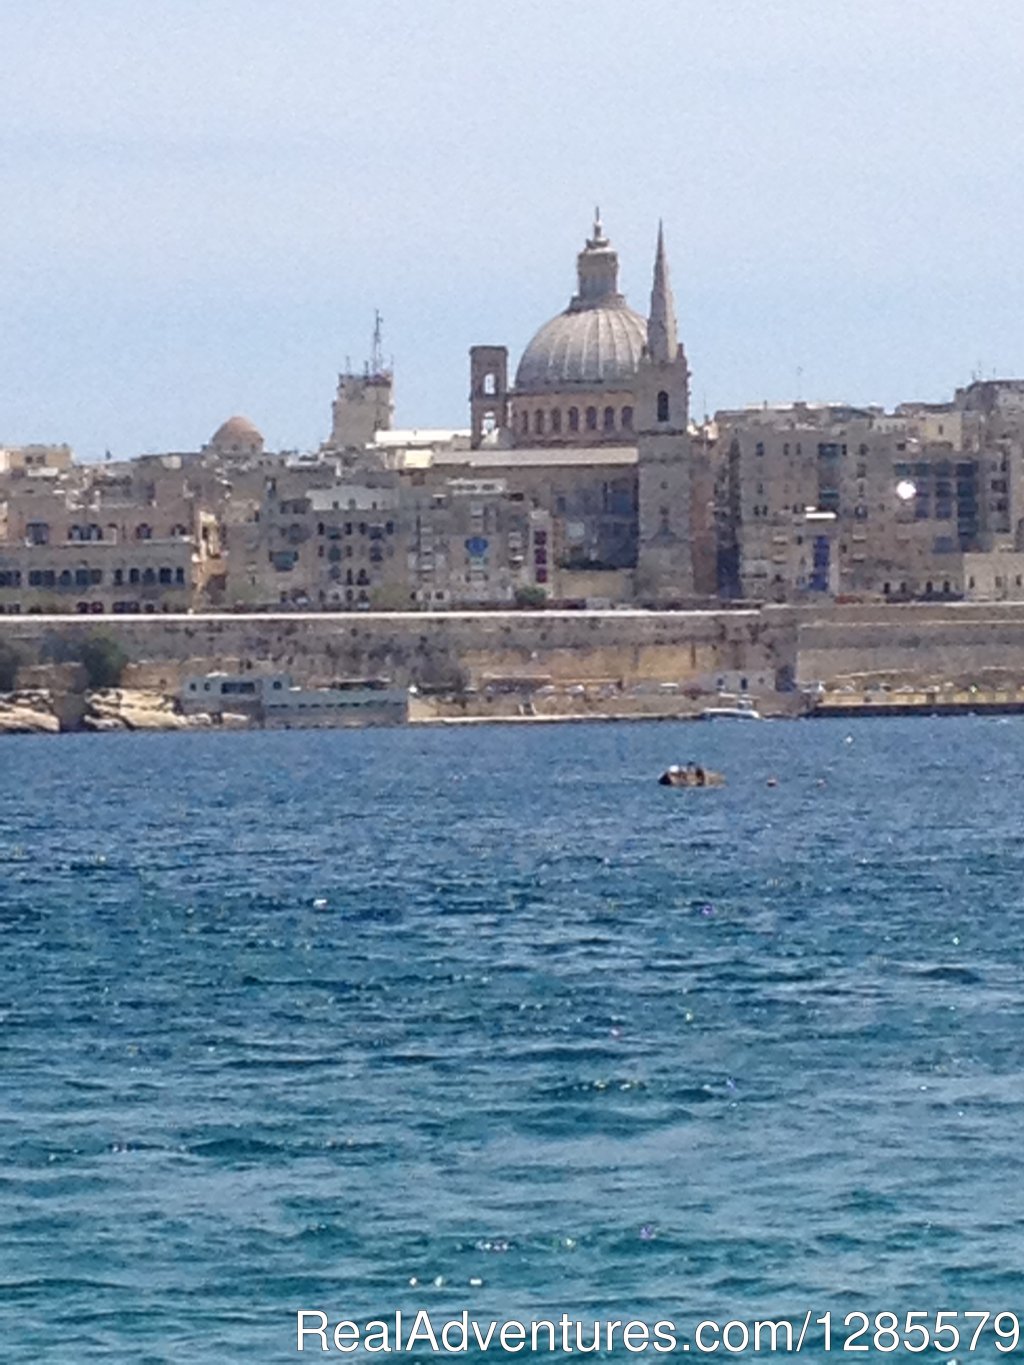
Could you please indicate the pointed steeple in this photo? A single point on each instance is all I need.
(662, 333)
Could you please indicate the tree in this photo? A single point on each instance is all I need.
(103, 659)
(530, 596)
(10, 661)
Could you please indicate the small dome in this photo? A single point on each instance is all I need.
(593, 347)
(237, 436)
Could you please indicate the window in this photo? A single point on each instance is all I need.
(591, 419)
(143, 532)
(490, 384)
(663, 408)
(524, 423)
(165, 576)
(556, 420)
(179, 576)
(627, 419)
(538, 422)
(574, 419)
(133, 575)
(118, 577)
(609, 419)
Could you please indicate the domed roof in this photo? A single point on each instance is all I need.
(596, 347)
(597, 342)
(237, 433)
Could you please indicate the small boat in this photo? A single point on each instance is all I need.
(743, 710)
(690, 776)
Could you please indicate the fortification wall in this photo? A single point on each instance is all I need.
(913, 647)
(918, 642)
(424, 648)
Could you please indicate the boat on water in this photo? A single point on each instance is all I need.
(743, 709)
(691, 776)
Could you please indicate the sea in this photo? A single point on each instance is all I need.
(483, 1018)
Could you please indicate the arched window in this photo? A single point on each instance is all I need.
(490, 384)
(627, 419)
(663, 406)
(609, 419)
(538, 422)
(574, 419)
(556, 420)
(591, 419)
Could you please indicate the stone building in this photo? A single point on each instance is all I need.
(601, 377)
(832, 500)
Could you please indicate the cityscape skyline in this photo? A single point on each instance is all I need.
(177, 250)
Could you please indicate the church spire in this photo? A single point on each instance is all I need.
(662, 333)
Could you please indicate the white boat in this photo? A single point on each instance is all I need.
(744, 709)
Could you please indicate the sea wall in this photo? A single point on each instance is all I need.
(963, 643)
(438, 651)
(428, 649)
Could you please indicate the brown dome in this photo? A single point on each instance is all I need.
(237, 436)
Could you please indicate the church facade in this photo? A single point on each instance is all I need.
(601, 377)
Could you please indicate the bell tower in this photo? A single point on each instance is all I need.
(664, 571)
(488, 391)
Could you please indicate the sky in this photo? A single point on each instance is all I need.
(202, 204)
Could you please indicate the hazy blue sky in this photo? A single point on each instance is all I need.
(204, 200)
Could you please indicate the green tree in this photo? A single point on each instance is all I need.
(103, 659)
(530, 595)
(10, 662)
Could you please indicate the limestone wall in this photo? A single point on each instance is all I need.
(915, 646)
(624, 647)
(426, 649)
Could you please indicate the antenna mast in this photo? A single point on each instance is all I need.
(377, 356)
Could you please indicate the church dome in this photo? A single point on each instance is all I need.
(597, 342)
(237, 436)
(594, 347)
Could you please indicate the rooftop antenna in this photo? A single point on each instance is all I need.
(377, 357)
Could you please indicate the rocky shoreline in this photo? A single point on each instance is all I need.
(39, 711)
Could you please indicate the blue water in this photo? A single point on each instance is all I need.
(289, 1020)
